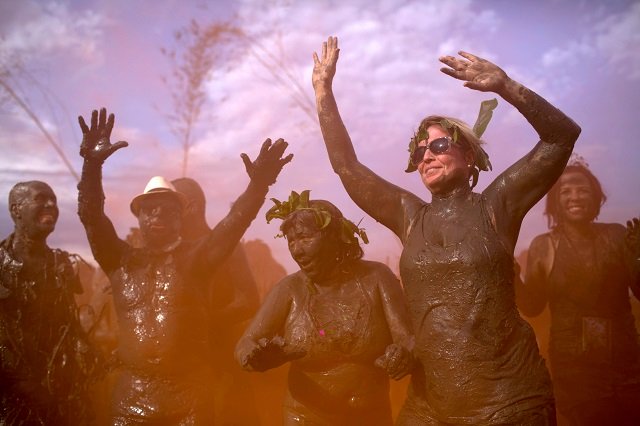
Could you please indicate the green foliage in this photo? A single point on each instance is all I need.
(481, 157)
(296, 202)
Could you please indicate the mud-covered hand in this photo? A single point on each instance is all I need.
(397, 361)
(478, 73)
(633, 237)
(324, 68)
(268, 353)
(96, 145)
(269, 163)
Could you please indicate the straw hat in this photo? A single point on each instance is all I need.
(157, 185)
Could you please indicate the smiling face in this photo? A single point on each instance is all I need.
(577, 201)
(442, 173)
(160, 219)
(313, 250)
(34, 209)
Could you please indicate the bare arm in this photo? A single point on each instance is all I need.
(262, 347)
(632, 241)
(96, 147)
(227, 233)
(235, 276)
(397, 359)
(532, 295)
(379, 198)
(523, 184)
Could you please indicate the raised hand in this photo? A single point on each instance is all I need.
(633, 236)
(325, 68)
(269, 163)
(397, 361)
(479, 74)
(95, 140)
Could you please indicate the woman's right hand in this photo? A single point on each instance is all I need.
(325, 68)
(96, 144)
(267, 353)
(476, 72)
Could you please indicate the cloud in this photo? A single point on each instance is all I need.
(619, 40)
(50, 28)
(613, 42)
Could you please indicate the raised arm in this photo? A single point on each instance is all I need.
(235, 277)
(227, 233)
(532, 295)
(95, 149)
(379, 198)
(524, 183)
(632, 241)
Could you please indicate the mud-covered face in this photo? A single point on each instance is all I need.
(160, 219)
(312, 249)
(36, 212)
(576, 198)
(441, 173)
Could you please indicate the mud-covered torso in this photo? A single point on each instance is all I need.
(594, 342)
(479, 358)
(45, 359)
(161, 306)
(342, 332)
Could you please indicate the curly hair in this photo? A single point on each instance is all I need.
(552, 207)
(347, 249)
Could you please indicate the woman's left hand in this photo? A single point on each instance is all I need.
(633, 236)
(478, 73)
(397, 361)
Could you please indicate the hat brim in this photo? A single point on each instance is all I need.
(135, 203)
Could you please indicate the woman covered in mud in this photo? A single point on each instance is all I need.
(478, 362)
(340, 320)
(584, 271)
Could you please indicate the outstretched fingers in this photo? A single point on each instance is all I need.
(94, 120)
(83, 125)
(109, 126)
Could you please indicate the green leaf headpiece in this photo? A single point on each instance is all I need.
(296, 202)
(481, 157)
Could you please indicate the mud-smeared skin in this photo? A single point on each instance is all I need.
(160, 292)
(335, 333)
(46, 363)
(594, 352)
(479, 360)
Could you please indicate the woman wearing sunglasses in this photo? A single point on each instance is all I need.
(584, 271)
(478, 359)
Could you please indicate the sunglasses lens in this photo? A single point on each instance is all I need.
(439, 146)
(418, 155)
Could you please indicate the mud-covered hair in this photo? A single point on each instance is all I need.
(468, 138)
(325, 216)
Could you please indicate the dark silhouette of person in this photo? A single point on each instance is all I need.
(341, 321)
(584, 270)
(479, 361)
(160, 290)
(46, 362)
(233, 300)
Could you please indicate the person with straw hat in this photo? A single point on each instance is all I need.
(159, 289)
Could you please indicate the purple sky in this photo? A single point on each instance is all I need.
(583, 56)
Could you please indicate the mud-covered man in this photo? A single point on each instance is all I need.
(46, 363)
(159, 289)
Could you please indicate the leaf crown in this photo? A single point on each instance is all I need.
(349, 231)
(481, 157)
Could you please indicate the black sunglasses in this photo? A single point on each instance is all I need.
(436, 146)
